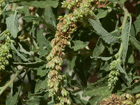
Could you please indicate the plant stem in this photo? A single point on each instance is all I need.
(126, 15)
(4, 32)
(10, 82)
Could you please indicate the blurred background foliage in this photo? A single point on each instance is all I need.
(31, 25)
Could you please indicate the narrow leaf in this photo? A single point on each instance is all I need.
(107, 37)
(18, 53)
(79, 45)
(24, 51)
(125, 40)
(49, 16)
(40, 39)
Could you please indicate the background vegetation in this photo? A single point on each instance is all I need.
(99, 52)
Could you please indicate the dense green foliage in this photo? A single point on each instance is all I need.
(71, 52)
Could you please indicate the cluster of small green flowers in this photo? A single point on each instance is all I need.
(137, 97)
(127, 99)
(113, 75)
(5, 51)
(55, 83)
(66, 26)
(70, 3)
(113, 78)
(55, 78)
(124, 99)
(85, 8)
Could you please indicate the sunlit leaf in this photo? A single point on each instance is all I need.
(12, 25)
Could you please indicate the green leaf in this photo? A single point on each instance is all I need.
(30, 18)
(25, 51)
(12, 25)
(78, 100)
(135, 42)
(107, 37)
(34, 100)
(71, 62)
(125, 40)
(26, 10)
(79, 45)
(102, 13)
(13, 99)
(97, 91)
(41, 72)
(40, 4)
(44, 45)
(131, 59)
(124, 75)
(133, 89)
(40, 84)
(105, 66)
(116, 33)
(18, 53)
(94, 100)
(137, 25)
(40, 39)
(98, 49)
(49, 16)
(97, 99)
(94, 86)
(47, 43)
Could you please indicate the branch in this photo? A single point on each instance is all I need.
(4, 32)
(126, 15)
(10, 82)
